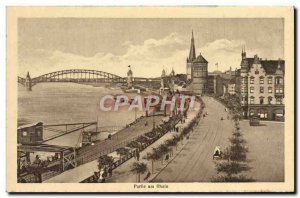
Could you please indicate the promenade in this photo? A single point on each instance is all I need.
(194, 163)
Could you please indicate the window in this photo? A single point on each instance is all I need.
(261, 90)
(256, 72)
(278, 80)
(252, 100)
(24, 133)
(262, 113)
(269, 89)
(251, 89)
(251, 112)
(276, 90)
(278, 100)
(270, 80)
(251, 80)
(261, 80)
(261, 100)
(280, 90)
(269, 100)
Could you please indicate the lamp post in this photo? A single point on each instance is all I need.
(153, 117)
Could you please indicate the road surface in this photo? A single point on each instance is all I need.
(194, 163)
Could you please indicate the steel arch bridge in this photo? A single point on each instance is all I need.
(75, 75)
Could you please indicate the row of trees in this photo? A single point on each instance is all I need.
(234, 163)
(106, 162)
(165, 150)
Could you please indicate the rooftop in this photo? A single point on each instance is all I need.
(200, 59)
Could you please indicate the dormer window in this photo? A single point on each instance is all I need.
(256, 72)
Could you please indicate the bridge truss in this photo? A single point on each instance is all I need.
(77, 76)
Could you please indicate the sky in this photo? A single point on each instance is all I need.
(148, 45)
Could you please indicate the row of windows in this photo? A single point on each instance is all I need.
(261, 100)
(270, 90)
(278, 80)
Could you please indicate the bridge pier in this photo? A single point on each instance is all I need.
(28, 84)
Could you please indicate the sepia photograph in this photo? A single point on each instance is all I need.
(173, 99)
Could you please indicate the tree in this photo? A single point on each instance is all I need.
(139, 168)
(153, 156)
(163, 149)
(176, 138)
(234, 160)
(171, 143)
(122, 151)
(104, 160)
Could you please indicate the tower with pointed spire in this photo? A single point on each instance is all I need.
(196, 68)
(191, 58)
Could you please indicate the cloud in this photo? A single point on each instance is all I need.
(147, 59)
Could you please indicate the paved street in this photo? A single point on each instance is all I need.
(194, 163)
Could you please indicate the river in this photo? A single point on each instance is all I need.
(58, 103)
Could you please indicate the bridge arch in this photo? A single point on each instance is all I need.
(76, 75)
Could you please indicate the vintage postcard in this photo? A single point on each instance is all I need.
(150, 99)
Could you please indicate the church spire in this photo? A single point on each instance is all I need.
(192, 55)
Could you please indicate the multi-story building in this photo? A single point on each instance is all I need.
(231, 86)
(196, 69)
(262, 87)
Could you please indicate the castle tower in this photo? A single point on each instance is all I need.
(199, 75)
(28, 84)
(129, 78)
(190, 59)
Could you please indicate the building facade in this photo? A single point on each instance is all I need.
(262, 88)
(196, 68)
(231, 87)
